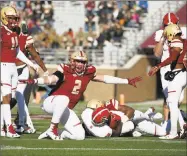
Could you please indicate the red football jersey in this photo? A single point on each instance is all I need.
(73, 85)
(24, 41)
(183, 45)
(9, 45)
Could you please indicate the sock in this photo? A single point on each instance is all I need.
(2, 118)
(174, 114)
(6, 113)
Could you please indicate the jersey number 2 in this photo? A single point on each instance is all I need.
(76, 87)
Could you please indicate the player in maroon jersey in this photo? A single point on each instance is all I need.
(177, 75)
(71, 81)
(9, 77)
(26, 44)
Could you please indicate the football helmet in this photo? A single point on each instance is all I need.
(170, 31)
(100, 116)
(9, 17)
(170, 18)
(78, 61)
(94, 103)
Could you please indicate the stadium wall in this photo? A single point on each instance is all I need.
(137, 66)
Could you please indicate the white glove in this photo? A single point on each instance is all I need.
(46, 73)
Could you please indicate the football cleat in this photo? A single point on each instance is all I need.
(2, 132)
(29, 130)
(11, 132)
(53, 134)
(184, 132)
(136, 134)
(19, 129)
(169, 137)
(43, 135)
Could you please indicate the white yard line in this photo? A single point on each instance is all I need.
(88, 149)
(109, 139)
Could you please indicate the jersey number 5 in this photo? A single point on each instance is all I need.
(76, 87)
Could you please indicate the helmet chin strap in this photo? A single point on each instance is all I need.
(80, 74)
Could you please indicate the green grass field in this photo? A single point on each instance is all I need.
(29, 145)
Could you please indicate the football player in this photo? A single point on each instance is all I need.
(26, 44)
(71, 81)
(162, 50)
(9, 76)
(98, 121)
(176, 77)
(141, 120)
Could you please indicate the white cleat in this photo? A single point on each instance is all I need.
(43, 135)
(54, 136)
(29, 130)
(2, 132)
(169, 137)
(136, 134)
(11, 132)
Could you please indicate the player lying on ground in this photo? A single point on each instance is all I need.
(100, 123)
(71, 81)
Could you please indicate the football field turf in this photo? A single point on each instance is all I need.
(29, 145)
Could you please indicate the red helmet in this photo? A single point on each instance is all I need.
(170, 18)
(100, 116)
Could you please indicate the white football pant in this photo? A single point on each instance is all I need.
(175, 88)
(9, 79)
(151, 128)
(58, 107)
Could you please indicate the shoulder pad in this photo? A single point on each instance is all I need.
(176, 43)
(91, 69)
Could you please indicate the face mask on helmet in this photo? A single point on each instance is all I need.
(170, 18)
(171, 31)
(100, 116)
(9, 17)
(78, 62)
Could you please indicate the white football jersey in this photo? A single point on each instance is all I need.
(157, 38)
(98, 131)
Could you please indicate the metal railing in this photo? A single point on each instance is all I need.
(96, 57)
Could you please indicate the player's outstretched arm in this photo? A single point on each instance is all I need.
(22, 57)
(48, 80)
(116, 80)
(32, 50)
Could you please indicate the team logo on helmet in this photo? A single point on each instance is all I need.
(170, 31)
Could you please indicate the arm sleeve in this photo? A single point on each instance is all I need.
(23, 58)
(114, 80)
